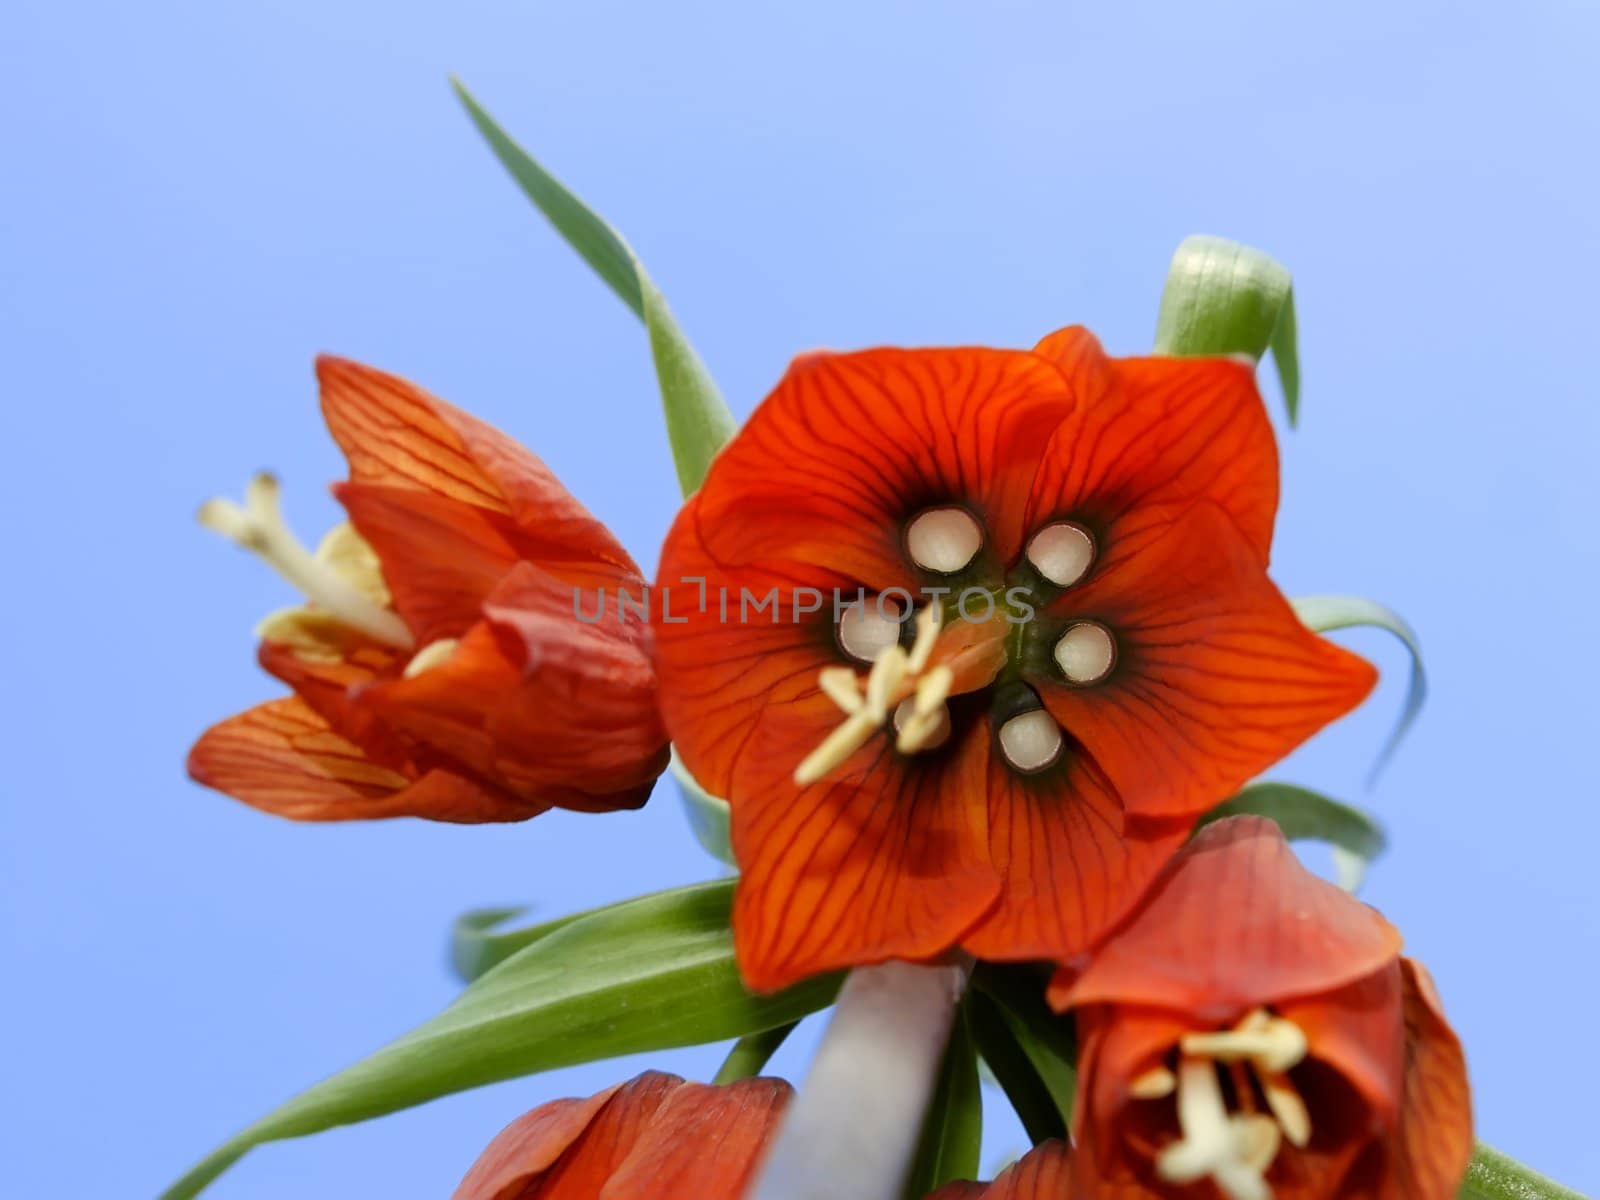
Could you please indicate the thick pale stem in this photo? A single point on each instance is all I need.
(854, 1126)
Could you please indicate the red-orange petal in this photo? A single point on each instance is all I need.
(1216, 678)
(654, 1138)
(1044, 1173)
(1151, 435)
(1354, 1029)
(849, 446)
(1426, 1154)
(553, 709)
(282, 757)
(395, 434)
(1072, 864)
(885, 858)
(1234, 922)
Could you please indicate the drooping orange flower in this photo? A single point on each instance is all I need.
(654, 1138)
(1051, 567)
(1253, 1031)
(440, 668)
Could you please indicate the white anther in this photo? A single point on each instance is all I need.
(928, 622)
(867, 628)
(1031, 741)
(922, 722)
(1228, 1149)
(1287, 1105)
(1269, 1043)
(1086, 652)
(1155, 1084)
(840, 685)
(1062, 552)
(259, 527)
(430, 656)
(944, 540)
(884, 681)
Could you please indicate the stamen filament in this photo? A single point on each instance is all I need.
(259, 527)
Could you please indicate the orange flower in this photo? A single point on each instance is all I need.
(439, 668)
(1051, 567)
(1254, 1031)
(654, 1138)
(1044, 1173)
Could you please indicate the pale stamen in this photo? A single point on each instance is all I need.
(259, 527)
(944, 540)
(1155, 1084)
(1235, 1150)
(1062, 552)
(895, 674)
(1086, 653)
(430, 656)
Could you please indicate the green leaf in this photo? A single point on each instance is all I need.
(708, 815)
(751, 1053)
(698, 420)
(1306, 815)
(648, 974)
(1495, 1176)
(1222, 297)
(477, 942)
(1013, 1070)
(1327, 613)
(952, 1131)
(1046, 1039)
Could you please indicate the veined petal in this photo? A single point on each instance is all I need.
(831, 466)
(1426, 1154)
(283, 758)
(1215, 680)
(1073, 866)
(1233, 923)
(553, 709)
(399, 436)
(887, 857)
(1043, 1173)
(1150, 435)
(1353, 1029)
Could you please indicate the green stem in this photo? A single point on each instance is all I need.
(751, 1052)
(1494, 1176)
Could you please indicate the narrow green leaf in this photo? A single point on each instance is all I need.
(1013, 1070)
(648, 974)
(1327, 613)
(1222, 297)
(477, 942)
(698, 420)
(1496, 1176)
(952, 1131)
(1306, 815)
(708, 815)
(1047, 1039)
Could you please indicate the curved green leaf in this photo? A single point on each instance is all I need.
(1013, 1070)
(708, 815)
(1495, 1176)
(952, 1131)
(477, 942)
(1327, 613)
(698, 420)
(1303, 815)
(648, 974)
(1047, 1040)
(1222, 297)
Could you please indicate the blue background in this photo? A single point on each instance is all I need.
(197, 197)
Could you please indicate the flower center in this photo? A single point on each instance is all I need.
(1234, 1149)
(900, 683)
(341, 580)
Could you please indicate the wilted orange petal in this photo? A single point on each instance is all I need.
(1425, 1155)
(1150, 435)
(283, 758)
(704, 1143)
(1234, 922)
(885, 858)
(1216, 678)
(545, 705)
(1044, 1173)
(1072, 866)
(850, 446)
